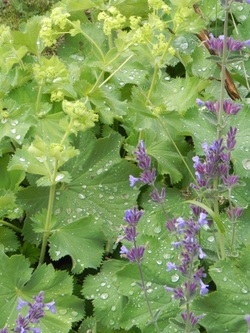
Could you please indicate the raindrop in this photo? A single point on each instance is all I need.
(104, 296)
(159, 262)
(59, 177)
(13, 130)
(244, 290)
(99, 171)
(166, 256)
(103, 284)
(175, 278)
(81, 196)
(211, 239)
(74, 313)
(246, 164)
(84, 186)
(57, 253)
(157, 229)
(149, 291)
(130, 292)
(18, 137)
(113, 308)
(63, 311)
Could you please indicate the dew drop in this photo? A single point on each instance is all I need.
(175, 278)
(159, 262)
(113, 308)
(244, 290)
(81, 196)
(246, 164)
(63, 311)
(74, 313)
(104, 296)
(157, 229)
(211, 239)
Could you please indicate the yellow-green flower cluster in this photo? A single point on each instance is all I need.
(57, 96)
(44, 151)
(159, 4)
(59, 17)
(51, 26)
(112, 20)
(5, 35)
(134, 22)
(160, 47)
(142, 35)
(50, 71)
(81, 117)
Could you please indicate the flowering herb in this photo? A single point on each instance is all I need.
(35, 312)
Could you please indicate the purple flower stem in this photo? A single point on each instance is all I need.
(143, 286)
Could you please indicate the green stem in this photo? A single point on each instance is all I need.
(177, 149)
(39, 98)
(156, 69)
(146, 295)
(117, 69)
(47, 230)
(7, 224)
(220, 118)
(90, 40)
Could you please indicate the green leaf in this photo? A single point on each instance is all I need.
(102, 289)
(29, 35)
(83, 240)
(75, 5)
(8, 239)
(197, 125)
(240, 155)
(182, 93)
(17, 280)
(226, 307)
(18, 121)
(201, 66)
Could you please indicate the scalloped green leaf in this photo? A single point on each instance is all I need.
(8, 239)
(83, 240)
(17, 280)
(226, 307)
(18, 121)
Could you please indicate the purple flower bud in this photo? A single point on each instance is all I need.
(234, 213)
(231, 138)
(171, 225)
(230, 180)
(231, 108)
(133, 216)
(130, 233)
(136, 253)
(156, 196)
(148, 176)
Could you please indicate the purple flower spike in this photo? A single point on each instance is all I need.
(231, 142)
(231, 108)
(133, 216)
(4, 330)
(136, 253)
